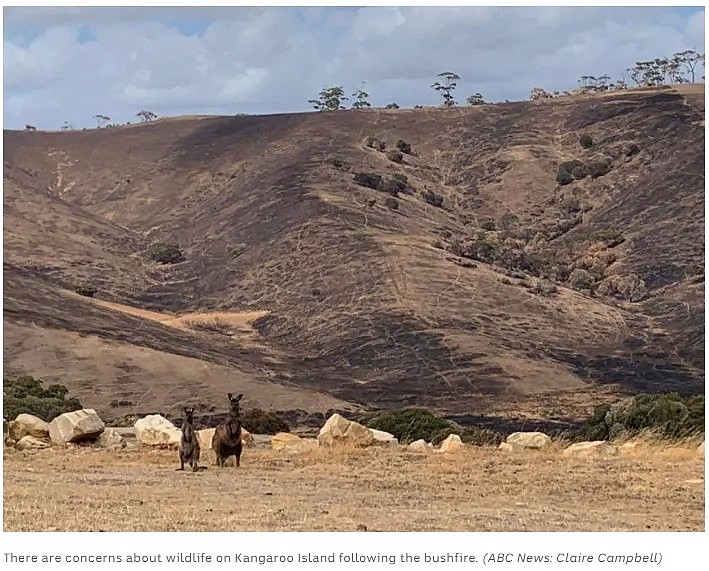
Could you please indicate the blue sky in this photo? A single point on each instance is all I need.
(71, 63)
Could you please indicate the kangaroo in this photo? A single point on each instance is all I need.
(227, 436)
(189, 445)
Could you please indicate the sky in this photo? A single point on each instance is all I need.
(71, 63)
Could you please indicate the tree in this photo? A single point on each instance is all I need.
(67, 126)
(361, 97)
(146, 116)
(101, 120)
(446, 88)
(330, 99)
(475, 99)
(690, 60)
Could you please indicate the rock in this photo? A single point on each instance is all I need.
(700, 450)
(339, 430)
(156, 430)
(78, 426)
(382, 438)
(111, 438)
(246, 437)
(32, 443)
(418, 446)
(595, 448)
(125, 431)
(262, 440)
(27, 425)
(534, 440)
(507, 447)
(284, 440)
(452, 444)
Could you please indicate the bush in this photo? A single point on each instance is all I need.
(401, 177)
(599, 166)
(392, 106)
(370, 180)
(26, 395)
(571, 204)
(86, 290)
(395, 156)
(611, 237)
(337, 163)
(667, 414)
(392, 186)
(432, 198)
(392, 203)
(257, 421)
(508, 221)
(630, 149)
(586, 141)
(167, 254)
(488, 224)
(570, 170)
(581, 279)
(409, 424)
(403, 146)
(544, 287)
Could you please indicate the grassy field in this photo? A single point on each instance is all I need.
(649, 488)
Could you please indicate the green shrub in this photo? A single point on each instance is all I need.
(86, 290)
(392, 203)
(395, 156)
(570, 170)
(488, 224)
(611, 237)
(370, 180)
(599, 166)
(26, 395)
(391, 106)
(167, 254)
(586, 141)
(432, 198)
(258, 421)
(667, 415)
(409, 424)
(403, 146)
(571, 204)
(475, 436)
(581, 279)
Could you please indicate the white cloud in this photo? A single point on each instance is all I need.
(255, 60)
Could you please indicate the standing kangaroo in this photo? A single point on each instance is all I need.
(227, 437)
(189, 444)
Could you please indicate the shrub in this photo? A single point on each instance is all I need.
(392, 186)
(370, 142)
(167, 254)
(432, 198)
(370, 180)
(86, 290)
(544, 287)
(409, 424)
(403, 146)
(381, 145)
(395, 156)
(630, 149)
(508, 221)
(571, 204)
(611, 237)
(570, 170)
(25, 394)
(337, 163)
(391, 202)
(667, 414)
(401, 177)
(586, 141)
(258, 421)
(599, 166)
(392, 106)
(581, 279)
(488, 224)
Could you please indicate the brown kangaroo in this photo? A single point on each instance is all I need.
(227, 436)
(189, 444)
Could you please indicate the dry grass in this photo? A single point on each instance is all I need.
(649, 488)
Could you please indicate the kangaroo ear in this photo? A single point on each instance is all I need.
(239, 397)
(229, 395)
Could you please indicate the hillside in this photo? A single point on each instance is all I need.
(299, 292)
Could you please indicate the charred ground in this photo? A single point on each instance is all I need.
(349, 301)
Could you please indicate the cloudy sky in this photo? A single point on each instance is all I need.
(69, 64)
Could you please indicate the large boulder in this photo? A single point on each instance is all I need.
(594, 448)
(156, 430)
(381, 438)
(529, 440)
(284, 440)
(29, 442)
(339, 430)
(418, 446)
(27, 425)
(452, 444)
(79, 426)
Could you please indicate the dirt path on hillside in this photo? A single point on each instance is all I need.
(478, 489)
